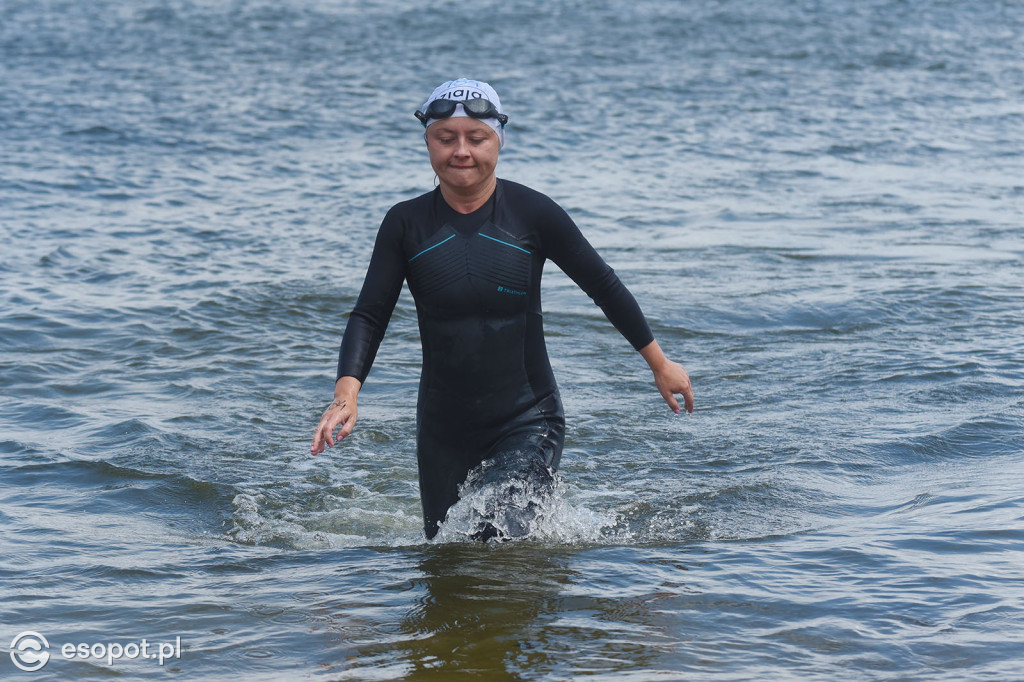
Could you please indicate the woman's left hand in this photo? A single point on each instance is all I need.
(669, 377)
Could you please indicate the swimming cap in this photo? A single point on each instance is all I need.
(462, 89)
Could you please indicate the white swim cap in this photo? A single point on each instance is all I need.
(462, 89)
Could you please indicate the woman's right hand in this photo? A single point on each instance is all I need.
(343, 413)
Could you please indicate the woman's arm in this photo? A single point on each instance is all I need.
(571, 251)
(363, 333)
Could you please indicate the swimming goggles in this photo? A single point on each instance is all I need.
(478, 107)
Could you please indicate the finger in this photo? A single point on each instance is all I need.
(318, 439)
(686, 389)
(688, 398)
(348, 423)
(326, 430)
(671, 400)
(318, 443)
(687, 393)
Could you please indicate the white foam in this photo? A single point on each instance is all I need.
(557, 520)
(255, 524)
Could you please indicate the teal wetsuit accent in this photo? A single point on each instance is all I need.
(486, 386)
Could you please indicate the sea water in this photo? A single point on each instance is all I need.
(818, 205)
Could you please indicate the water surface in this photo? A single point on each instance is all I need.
(818, 206)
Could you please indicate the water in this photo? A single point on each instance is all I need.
(817, 204)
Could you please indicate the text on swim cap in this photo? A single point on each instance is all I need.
(463, 93)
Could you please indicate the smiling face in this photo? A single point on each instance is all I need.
(463, 152)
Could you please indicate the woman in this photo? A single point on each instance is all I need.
(472, 251)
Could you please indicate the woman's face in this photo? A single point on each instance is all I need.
(463, 152)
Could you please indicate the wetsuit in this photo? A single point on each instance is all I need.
(486, 387)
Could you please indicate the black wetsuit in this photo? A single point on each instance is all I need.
(486, 386)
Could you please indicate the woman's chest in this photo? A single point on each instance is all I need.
(490, 270)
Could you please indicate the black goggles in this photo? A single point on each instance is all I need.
(478, 107)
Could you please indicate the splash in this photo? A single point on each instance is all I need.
(258, 520)
(495, 505)
(504, 499)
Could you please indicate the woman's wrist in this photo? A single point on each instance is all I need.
(654, 356)
(346, 389)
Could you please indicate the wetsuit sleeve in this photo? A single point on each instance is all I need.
(381, 287)
(569, 249)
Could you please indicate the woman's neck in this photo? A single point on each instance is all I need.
(469, 199)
